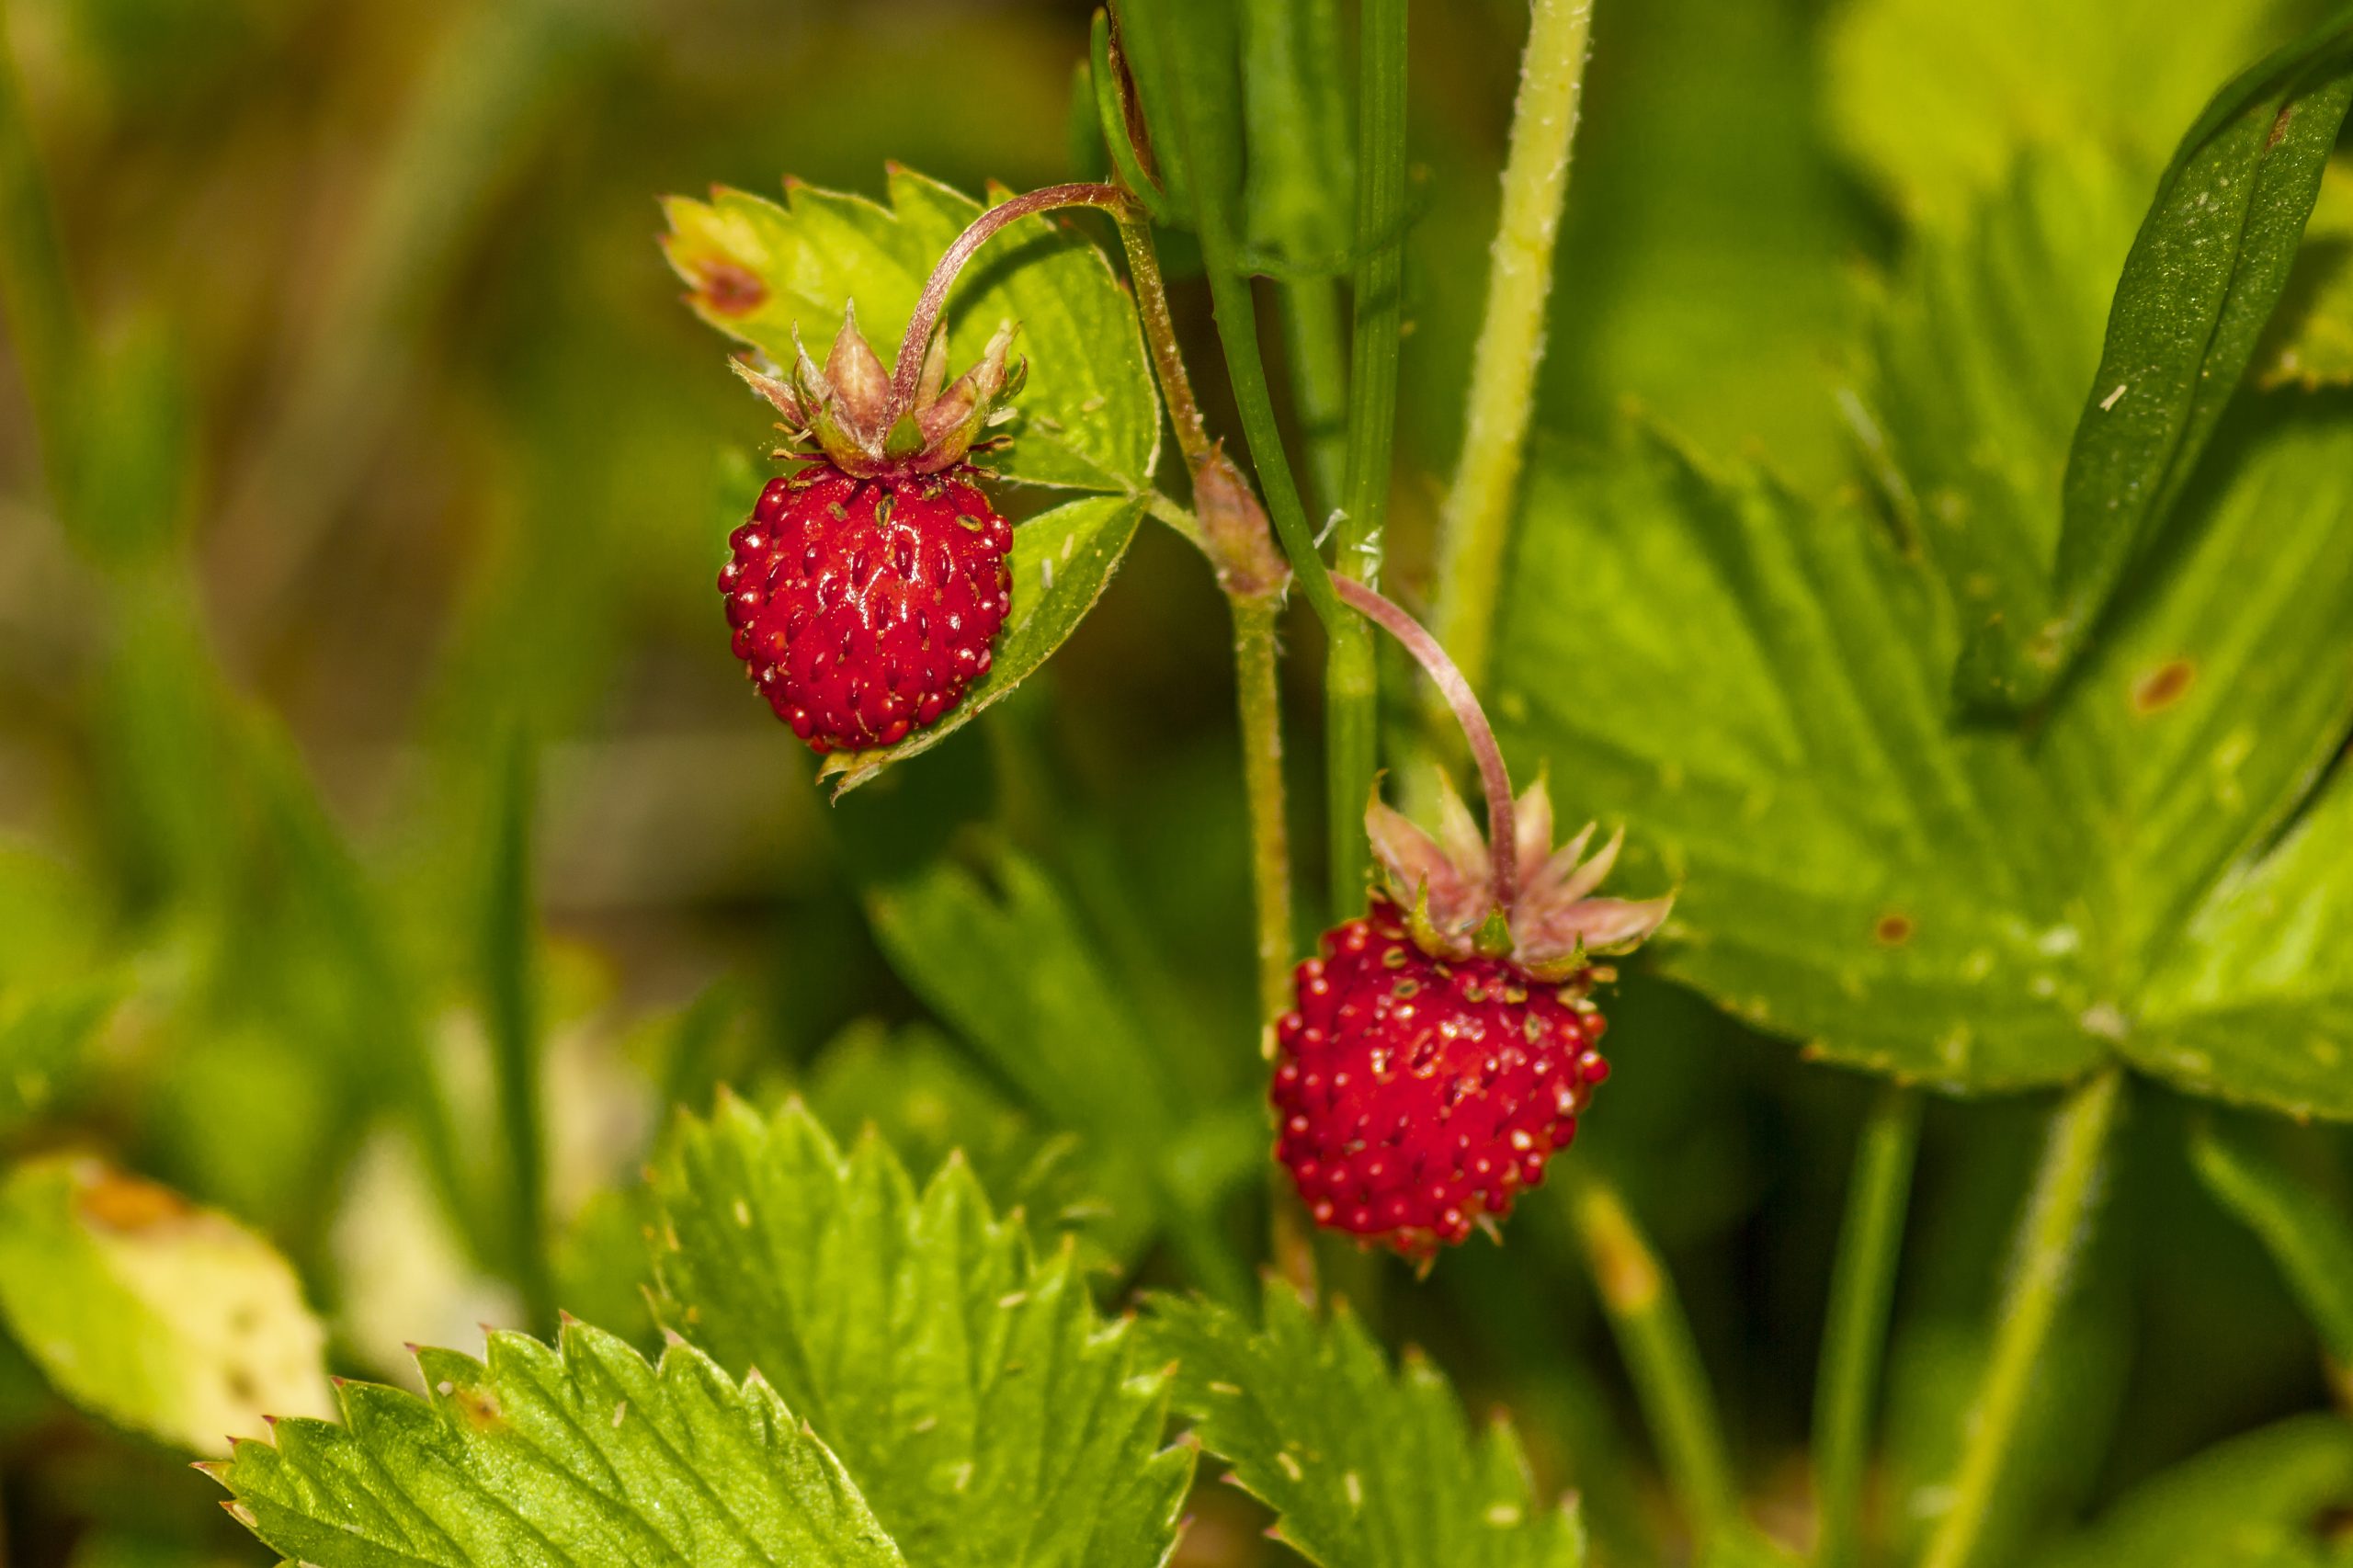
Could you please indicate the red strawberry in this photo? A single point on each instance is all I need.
(863, 608)
(1441, 1050)
(865, 589)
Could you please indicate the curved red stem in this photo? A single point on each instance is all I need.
(909, 369)
(1503, 836)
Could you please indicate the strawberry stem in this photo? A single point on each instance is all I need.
(909, 369)
(1503, 840)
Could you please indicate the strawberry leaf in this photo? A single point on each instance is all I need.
(1938, 100)
(2309, 343)
(757, 269)
(2258, 1500)
(1365, 1467)
(169, 1319)
(2211, 260)
(1063, 559)
(989, 1414)
(931, 1103)
(1761, 693)
(579, 1452)
(2255, 1002)
(2310, 1238)
(1020, 978)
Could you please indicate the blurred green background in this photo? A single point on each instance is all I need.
(380, 518)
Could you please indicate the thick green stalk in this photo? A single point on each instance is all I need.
(1257, 685)
(1511, 340)
(1352, 692)
(1237, 327)
(1232, 533)
(1862, 1285)
(1655, 1340)
(1319, 384)
(2050, 1237)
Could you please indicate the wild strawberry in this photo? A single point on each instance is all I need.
(1442, 1048)
(865, 589)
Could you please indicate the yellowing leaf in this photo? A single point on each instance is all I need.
(151, 1311)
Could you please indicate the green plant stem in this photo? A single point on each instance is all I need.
(511, 1015)
(1511, 339)
(2050, 1237)
(1655, 1340)
(1237, 326)
(1319, 380)
(1160, 337)
(1854, 1343)
(1256, 663)
(1255, 606)
(1351, 681)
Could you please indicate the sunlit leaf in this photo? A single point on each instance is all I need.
(2210, 263)
(989, 1416)
(579, 1452)
(1937, 100)
(2256, 1003)
(168, 1318)
(759, 269)
(1756, 688)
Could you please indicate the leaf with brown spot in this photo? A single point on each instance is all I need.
(578, 1452)
(759, 270)
(151, 1311)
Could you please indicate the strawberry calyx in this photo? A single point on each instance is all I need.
(852, 413)
(1552, 924)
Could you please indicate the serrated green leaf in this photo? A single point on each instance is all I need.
(2221, 690)
(579, 1453)
(990, 1416)
(2223, 685)
(2310, 1238)
(1963, 904)
(2252, 1502)
(1017, 975)
(1365, 1467)
(759, 269)
(2255, 1002)
(1937, 100)
(1982, 346)
(1063, 559)
(1757, 689)
(167, 1318)
(928, 1103)
(2211, 261)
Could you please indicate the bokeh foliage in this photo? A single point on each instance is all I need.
(366, 727)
